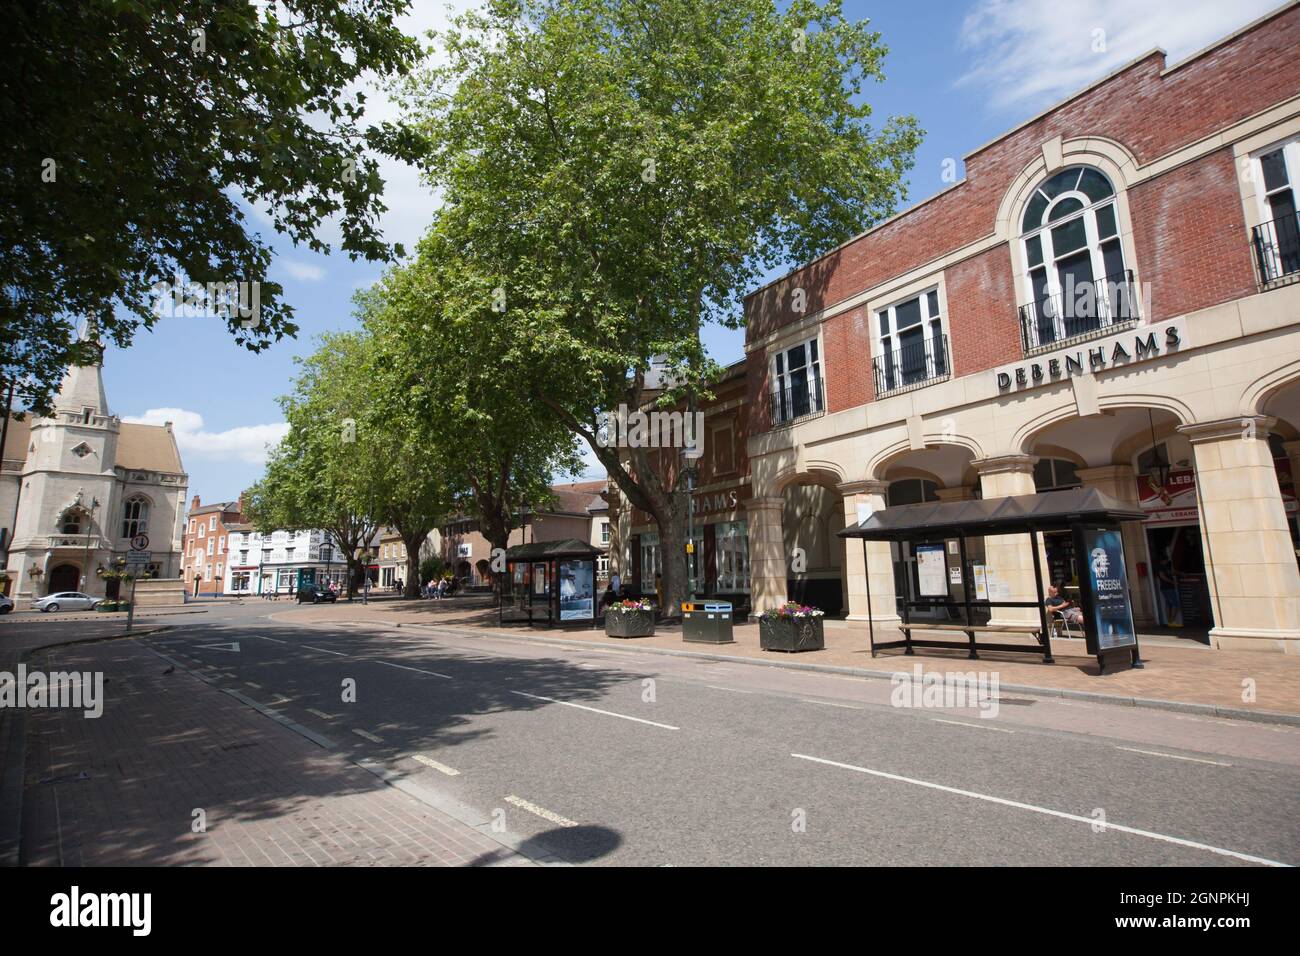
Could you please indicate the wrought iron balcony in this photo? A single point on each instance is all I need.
(912, 366)
(1086, 310)
(806, 400)
(1275, 247)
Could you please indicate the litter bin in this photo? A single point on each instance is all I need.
(707, 622)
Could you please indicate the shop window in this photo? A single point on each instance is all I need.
(1074, 260)
(911, 347)
(798, 377)
(731, 540)
(1054, 474)
(651, 561)
(911, 491)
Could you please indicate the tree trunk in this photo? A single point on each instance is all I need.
(413, 542)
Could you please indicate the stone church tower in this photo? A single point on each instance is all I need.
(87, 484)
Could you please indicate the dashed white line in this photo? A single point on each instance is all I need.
(596, 710)
(731, 689)
(271, 639)
(418, 670)
(323, 651)
(962, 723)
(1157, 753)
(251, 684)
(368, 735)
(541, 812)
(320, 713)
(827, 703)
(1179, 841)
(440, 767)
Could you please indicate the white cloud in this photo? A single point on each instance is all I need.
(1029, 53)
(304, 271)
(248, 443)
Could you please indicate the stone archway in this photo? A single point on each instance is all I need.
(63, 577)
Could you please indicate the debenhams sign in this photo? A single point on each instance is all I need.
(1114, 352)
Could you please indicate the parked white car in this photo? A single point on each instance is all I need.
(66, 601)
(6, 604)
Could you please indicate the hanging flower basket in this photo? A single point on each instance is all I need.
(791, 627)
(630, 619)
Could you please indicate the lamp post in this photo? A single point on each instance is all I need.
(365, 576)
(90, 529)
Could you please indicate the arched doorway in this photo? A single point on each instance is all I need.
(64, 577)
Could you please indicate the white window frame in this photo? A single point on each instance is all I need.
(783, 404)
(1051, 260)
(211, 545)
(1290, 149)
(885, 342)
(212, 523)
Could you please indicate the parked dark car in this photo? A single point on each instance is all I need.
(315, 595)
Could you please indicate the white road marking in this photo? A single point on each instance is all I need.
(962, 723)
(418, 670)
(541, 812)
(368, 735)
(440, 767)
(271, 639)
(1156, 753)
(596, 710)
(1179, 841)
(320, 713)
(232, 646)
(732, 689)
(251, 684)
(827, 703)
(323, 651)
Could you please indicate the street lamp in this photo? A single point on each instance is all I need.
(365, 576)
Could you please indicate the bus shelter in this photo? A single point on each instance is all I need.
(550, 582)
(931, 535)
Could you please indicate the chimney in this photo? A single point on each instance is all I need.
(239, 505)
(194, 505)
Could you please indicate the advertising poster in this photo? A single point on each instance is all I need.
(931, 570)
(539, 580)
(1107, 585)
(981, 582)
(577, 590)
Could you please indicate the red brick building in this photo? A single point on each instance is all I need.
(204, 544)
(1107, 298)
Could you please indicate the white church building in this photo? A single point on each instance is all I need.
(76, 488)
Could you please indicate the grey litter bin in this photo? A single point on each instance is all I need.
(707, 622)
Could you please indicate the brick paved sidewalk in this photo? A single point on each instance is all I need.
(121, 789)
(1193, 674)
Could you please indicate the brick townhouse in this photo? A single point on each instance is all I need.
(1107, 299)
(206, 545)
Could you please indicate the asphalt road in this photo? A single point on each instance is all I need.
(614, 757)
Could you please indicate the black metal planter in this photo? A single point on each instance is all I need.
(629, 623)
(791, 634)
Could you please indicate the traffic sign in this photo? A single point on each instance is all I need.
(139, 558)
(140, 542)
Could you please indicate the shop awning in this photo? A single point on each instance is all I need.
(551, 550)
(1048, 511)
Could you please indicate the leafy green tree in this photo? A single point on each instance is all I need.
(133, 130)
(323, 473)
(448, 368)
(627, 169)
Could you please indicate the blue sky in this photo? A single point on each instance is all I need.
(967, 69)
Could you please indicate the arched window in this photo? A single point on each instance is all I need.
(1075, 271)
(911, 491)
(71, 521)
(1053, 474)
(135, 516)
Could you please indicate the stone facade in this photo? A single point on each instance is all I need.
(88, 483)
